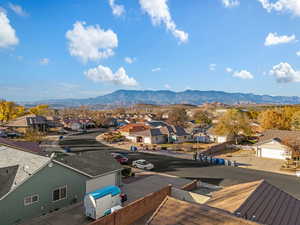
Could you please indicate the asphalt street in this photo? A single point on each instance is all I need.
(218, 175)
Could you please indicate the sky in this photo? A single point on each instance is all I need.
(88, 48)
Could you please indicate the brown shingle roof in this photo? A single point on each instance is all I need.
(231, 198)
(174, 212)
(259, 201)
(279, 134)
(26, 121)
(133, 127)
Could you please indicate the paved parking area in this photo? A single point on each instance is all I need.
(151, 183)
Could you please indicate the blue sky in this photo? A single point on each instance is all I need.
(86, 48)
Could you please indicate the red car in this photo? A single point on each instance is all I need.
(121, 159)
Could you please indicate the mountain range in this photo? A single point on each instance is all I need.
(164, 97)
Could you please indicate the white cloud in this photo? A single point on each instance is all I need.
(167, 86)
(8, 36)
(298, 53)
(117, 10)
(284, 73)
(17, 9)
(44, 61)
(105, 74)
(156, 69)
(274, 39)
(243, 74)
(228, 70)
(91, 42)
(231, 3)
(129, 60)
(159, 12)
(291, 6)
(212, 67)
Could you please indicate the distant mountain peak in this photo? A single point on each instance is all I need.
(162, 97)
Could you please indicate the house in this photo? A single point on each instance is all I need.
(201, 137)
(219, 138)
(53, 122)
(150, 136)
(279, 144)
(79, 123)
(174, 134)
(110, 122)
(257, 201)
(30, 121)
(173, 212)
(128, 130)
(34, 184)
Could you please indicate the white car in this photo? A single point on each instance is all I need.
(142, 164)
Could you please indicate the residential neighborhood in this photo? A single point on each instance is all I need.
(149, 112)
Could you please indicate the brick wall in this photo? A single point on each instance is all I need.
(191, 186)
(135, 210)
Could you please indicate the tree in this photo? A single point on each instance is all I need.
(233, 122)
(178, 117)
(39, 110)
(98, 117)
(275, 119)
(10, 110)
(202, 118)
(295, 122)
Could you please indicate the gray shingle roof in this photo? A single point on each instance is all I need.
(28, 163)
(93, 163)
(7, 177)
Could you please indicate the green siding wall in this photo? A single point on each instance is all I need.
(43, 183)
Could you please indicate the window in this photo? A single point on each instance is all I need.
(31, 199)
(59, 193)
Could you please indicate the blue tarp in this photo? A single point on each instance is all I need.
(113, 190)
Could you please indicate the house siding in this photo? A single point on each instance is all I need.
(12, 208)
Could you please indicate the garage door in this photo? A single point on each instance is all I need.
(100, 182)
(272, 153)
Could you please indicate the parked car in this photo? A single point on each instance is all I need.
(13, 135)
(3, 134)
(120, 158)
(142, 164)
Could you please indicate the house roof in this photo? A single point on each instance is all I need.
(152, 132)
(173, 212)
(23, 145)
(259, 201)
(26, 121)
(28, 163)
(93, 163)
(231, 198)
(157, 124)
(133, 127)
(279, 134)
(7, 177)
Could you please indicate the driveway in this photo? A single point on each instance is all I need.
(258, 163)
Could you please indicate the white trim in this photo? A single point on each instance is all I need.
(31, 199)
(59, 188)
